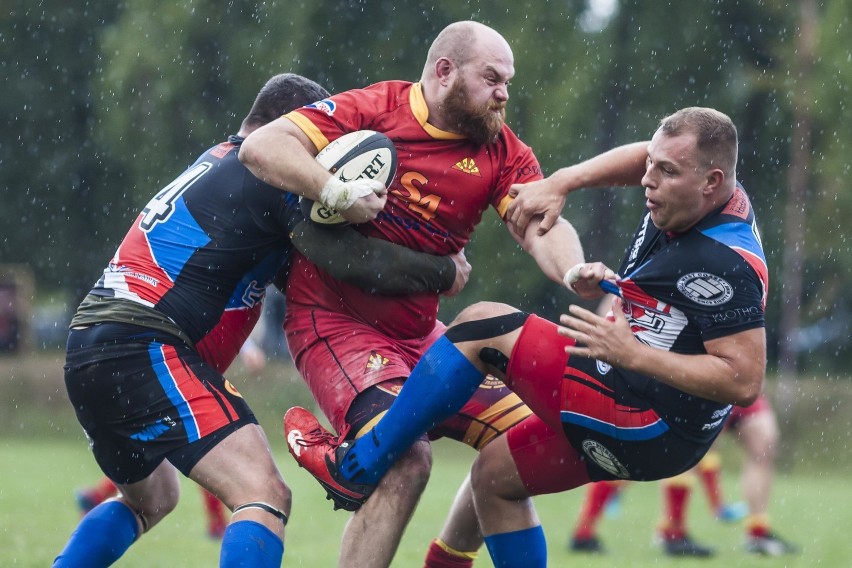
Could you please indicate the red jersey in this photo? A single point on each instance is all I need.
(442, 186)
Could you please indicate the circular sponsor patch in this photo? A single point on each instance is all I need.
(232, 389)
(705, 289)
(603, 368)
(605, 459)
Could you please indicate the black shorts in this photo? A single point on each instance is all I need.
(144, 396)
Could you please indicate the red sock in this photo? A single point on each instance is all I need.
(757, 525)
(597, 496)
(102, 491)
(708, 472)
(440, 556)
(215, 513)
(676, 496)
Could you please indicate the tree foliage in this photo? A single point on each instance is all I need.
(104, 103)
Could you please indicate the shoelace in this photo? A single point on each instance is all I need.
(320, 435)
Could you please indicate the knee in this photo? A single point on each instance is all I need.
(483, 310)
(411, 472)
(158, 504)
(278, 494)
(494, 473)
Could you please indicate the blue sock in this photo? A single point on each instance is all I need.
(104, 534)
(250, 544)
(439, 386)
(519, 549)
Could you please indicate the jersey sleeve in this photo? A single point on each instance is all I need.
(328, 119)
(521, 167)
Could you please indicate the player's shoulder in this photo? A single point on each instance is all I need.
(512, 144)
(392, 91)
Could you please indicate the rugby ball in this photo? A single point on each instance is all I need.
(356, 155)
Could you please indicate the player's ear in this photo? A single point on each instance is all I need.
(715, 178)
(444, 68)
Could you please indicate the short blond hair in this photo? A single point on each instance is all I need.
(715, 133)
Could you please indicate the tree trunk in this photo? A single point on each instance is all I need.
(795, 218)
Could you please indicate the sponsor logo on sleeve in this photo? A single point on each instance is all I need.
(705, 289)
(325, 105)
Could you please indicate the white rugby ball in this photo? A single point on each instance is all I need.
(356, 155)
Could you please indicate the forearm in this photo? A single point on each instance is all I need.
(374, 265)
(703, 375)
(556, 251)
(621, 166)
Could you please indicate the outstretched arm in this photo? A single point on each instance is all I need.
(624, 165)
(376, 265)
(555, 251)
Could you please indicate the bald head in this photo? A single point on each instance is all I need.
(459, 41)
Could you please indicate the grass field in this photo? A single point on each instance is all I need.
(43, 458)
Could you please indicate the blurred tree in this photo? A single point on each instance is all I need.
(52, 178)
(105, 103)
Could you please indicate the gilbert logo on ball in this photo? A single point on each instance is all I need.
(356, 155)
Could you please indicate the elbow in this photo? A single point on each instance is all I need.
(248, 153)
(747, 392)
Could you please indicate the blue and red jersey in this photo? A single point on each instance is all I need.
(203, 250)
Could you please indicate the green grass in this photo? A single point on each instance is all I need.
(37, 514)
(43, 458)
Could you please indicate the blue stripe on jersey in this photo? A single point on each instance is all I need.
(174, 242)
(648, 432)
(158, 362)
(737, 235)
(251, 288)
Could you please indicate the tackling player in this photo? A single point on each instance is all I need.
(148, 345)
(639, 395)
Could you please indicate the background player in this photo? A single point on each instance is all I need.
(756, 430)
(148, 344)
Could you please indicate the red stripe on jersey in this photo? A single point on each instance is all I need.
(593, 399)
(142, 275)
(759, 266)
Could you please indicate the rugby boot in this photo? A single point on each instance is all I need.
(586, 544)
(769, 545)
(319, 451)
(685, 546)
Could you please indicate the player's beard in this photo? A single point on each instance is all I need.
(478, 123)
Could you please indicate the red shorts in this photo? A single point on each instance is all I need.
(340, 357)
(738, 413)
(589, 424)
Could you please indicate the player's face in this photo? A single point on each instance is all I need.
(475, 104)
(481, 122)
(675, 181)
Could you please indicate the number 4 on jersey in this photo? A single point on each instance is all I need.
(161, 207)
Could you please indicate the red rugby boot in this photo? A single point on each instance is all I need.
(319, 451)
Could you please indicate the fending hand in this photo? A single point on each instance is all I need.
(607, 338)
(538, 198)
